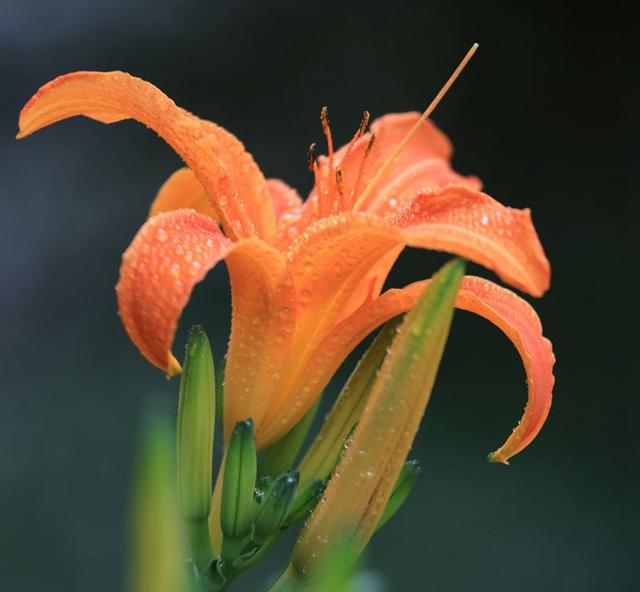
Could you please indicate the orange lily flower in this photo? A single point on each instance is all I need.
(306, 277)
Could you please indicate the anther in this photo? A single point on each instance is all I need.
(326, 129)
(364, 122)
(312, 157)
(372, 140)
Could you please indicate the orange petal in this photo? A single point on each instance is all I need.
(209, 150)
(503, 308)
(263, 321)
(521, 325)
(182, 190)
(472, 224)
(169, 255)
(284, 198)
(424, 175)
(328, 263)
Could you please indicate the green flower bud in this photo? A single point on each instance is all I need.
(404, 485)
(196, 420)
(196, 423)
(275, 506)
(238, 505)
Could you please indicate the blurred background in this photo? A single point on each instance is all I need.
(543, 115)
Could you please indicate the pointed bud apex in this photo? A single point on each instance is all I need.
(404, 485)
(275, 506)
(305, 500)
(196, 423)
(238, 504)
(281, 456)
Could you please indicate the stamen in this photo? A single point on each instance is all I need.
(370, 145)
(364, 122)
(428, 111)
(313, 167)
(312, 156)
(326, 128)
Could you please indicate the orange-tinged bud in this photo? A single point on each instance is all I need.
(364, 479)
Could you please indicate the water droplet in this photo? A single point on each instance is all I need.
(161, 235)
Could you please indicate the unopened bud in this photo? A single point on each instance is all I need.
(238, 509)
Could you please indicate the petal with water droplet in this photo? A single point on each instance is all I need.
(157, 277)
(285, 198)
(472, 224)
(328, 263)
(263, 320)
(209, 150)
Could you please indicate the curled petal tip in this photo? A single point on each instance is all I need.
(170, 254)
(496, 458)
(174, 366)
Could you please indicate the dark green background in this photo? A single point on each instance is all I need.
(543, 115)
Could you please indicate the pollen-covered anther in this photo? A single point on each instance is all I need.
(326, 130)
(364, 123)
